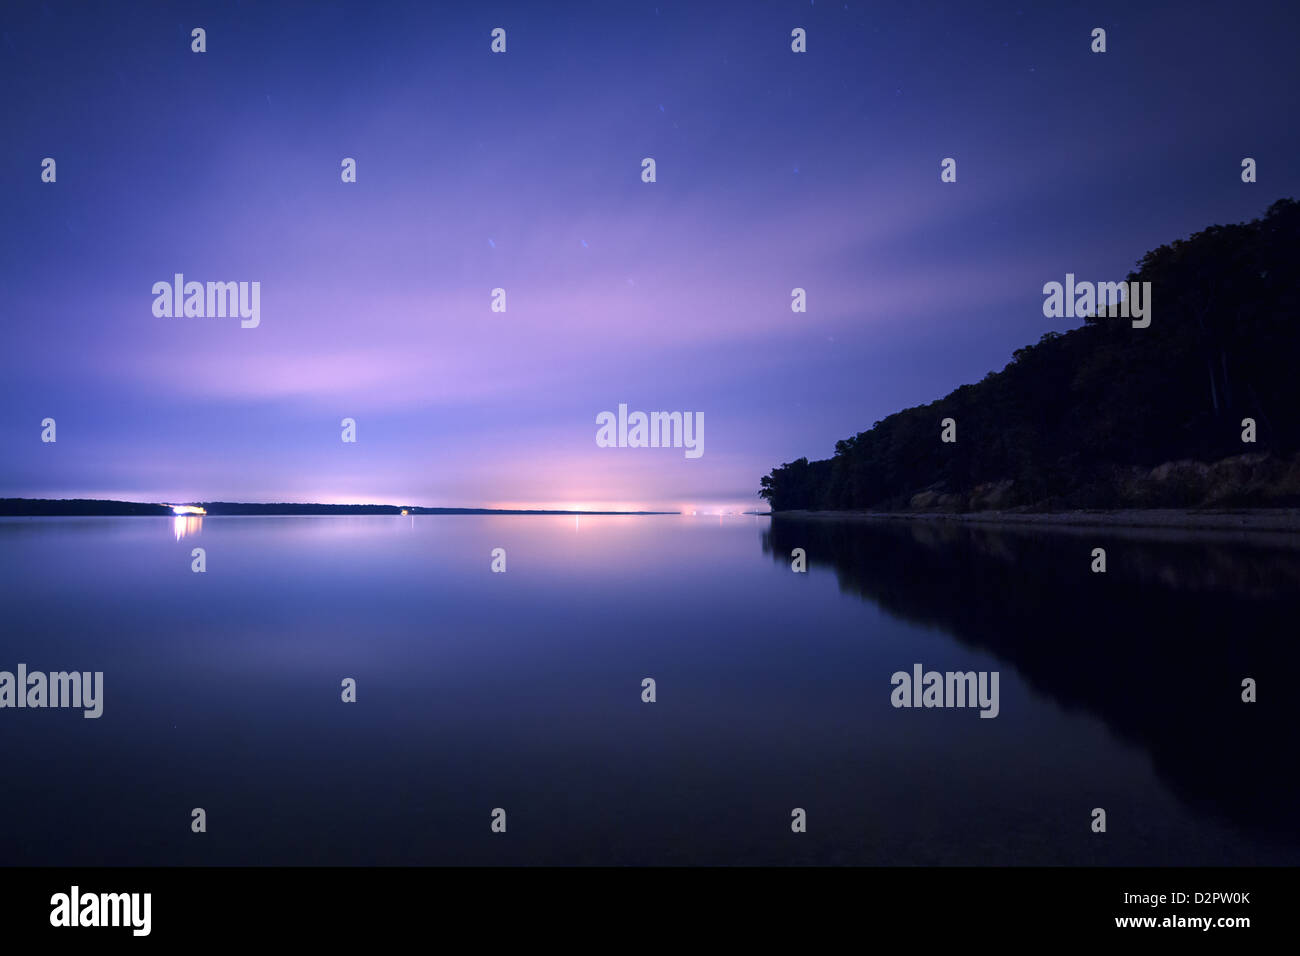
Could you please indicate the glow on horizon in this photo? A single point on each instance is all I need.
(710, 508)
(585, 506)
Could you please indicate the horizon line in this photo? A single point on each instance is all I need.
(407, 508)
(113, 507)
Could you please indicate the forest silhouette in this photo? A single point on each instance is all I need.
(1108, 415)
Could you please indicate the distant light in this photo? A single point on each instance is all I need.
(187, 510)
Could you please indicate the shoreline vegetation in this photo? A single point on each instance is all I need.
(1181, 421)
(97, 508)
(1251, 520)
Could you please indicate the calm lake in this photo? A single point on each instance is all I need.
(523, 691)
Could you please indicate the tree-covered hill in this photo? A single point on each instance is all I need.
(1108, 415)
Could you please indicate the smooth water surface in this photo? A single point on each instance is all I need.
(478, 690)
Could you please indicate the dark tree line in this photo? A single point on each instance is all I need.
(1070, 416)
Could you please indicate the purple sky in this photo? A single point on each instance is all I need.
(522, 170)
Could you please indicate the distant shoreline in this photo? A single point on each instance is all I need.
(1245, 519)
(99, 508)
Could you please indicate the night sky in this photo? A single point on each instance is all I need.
(523, 171)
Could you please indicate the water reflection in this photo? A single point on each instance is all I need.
(186, 525)
(1157, 647)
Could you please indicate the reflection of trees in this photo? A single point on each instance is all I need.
(1156, 647)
